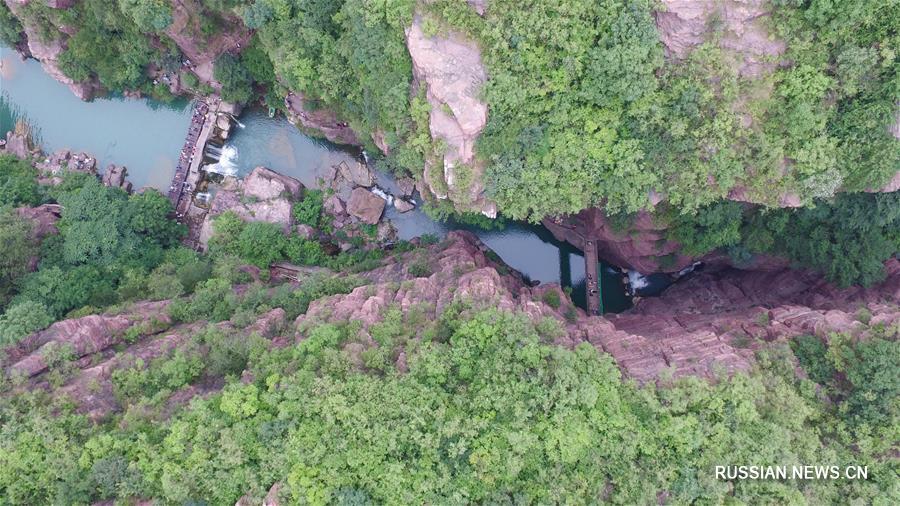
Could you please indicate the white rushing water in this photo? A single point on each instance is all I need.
(227, 164)
(383, 194)
(637, 281)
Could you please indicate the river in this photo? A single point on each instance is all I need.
(147, 136)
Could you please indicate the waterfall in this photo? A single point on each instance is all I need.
(687, 270)
(383, 194)
(227, 162)
(637, 281)
(213, 151)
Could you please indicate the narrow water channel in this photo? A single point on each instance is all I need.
(146, 137)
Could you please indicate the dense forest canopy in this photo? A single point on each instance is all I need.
(487, 412)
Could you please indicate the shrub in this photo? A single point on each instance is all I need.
(21, 319)
(18, 183)
(551, 298)
(309, 210)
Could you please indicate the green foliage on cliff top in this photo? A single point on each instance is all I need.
(486, 412)
(10, 27)
(349, 56)
(584, 108)
(584, 111)
(848, 238)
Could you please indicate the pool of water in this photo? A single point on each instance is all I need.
(143, 135)
(146, 137)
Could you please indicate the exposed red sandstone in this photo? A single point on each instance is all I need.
(707, 325)
(641, 247)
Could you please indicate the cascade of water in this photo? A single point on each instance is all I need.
(227, 162)
(383, 194)
(637, 281)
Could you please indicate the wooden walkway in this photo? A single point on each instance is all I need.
(181, 189)
(592, 278)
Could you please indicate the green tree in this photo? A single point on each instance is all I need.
(256, 14)
(21, 319)
(153, 14)
(18, 183)
(236, 81)
(17, 249)
(10, 27)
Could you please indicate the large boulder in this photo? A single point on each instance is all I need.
(115, 177)
(266, 184)
(44, 218)
(19, 144)
(359, 174)
(366, 206)
(334, 206)
(324, 121)
(264, 195)
(407, 186)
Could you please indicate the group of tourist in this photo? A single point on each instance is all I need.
(179, 186)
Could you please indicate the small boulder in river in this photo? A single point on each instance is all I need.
(403, 206)
(407, 186)
(358, 173)
(366, 206)
(115, 177)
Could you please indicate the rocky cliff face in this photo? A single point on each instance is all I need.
(201, 50)
(715, 321)
(739, 24)
(49, 51)
(450, 69)
(708, 325)
(321, 121)
(641, 247)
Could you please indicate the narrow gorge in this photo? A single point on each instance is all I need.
(447, 251)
